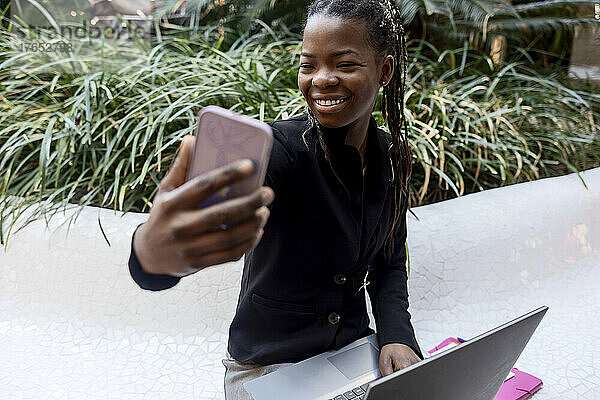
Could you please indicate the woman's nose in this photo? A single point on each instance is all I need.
(323, 79)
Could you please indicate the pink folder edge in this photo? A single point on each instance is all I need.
(445, 343)
(519, 387)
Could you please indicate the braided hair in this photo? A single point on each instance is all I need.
(386, 36)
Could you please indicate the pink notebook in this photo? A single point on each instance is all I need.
(519, 387)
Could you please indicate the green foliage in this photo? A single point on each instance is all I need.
(237, 12)
(471, 13)
(546, 28)
(475, 126)
(474, 11)
(100, 125)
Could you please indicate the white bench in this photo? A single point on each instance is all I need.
(74, 325)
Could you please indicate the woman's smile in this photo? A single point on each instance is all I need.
(330, 104)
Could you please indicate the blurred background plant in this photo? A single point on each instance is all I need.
(100, 124)
(546, 25)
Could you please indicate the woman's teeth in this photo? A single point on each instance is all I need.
(329, 102)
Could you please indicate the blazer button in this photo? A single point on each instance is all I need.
(339, 279)
(334, 318)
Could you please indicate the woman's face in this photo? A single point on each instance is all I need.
(339, 72)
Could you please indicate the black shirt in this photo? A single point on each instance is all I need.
(301, 291)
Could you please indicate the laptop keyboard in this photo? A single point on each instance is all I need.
(357, 393)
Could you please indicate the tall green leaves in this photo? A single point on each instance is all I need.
(474, 11)
(473, 128)
(100, 125)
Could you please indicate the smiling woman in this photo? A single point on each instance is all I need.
(320, 259)
(340, 75)
(372, 55)
(337, 224)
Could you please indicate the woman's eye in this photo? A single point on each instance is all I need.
(306, 66)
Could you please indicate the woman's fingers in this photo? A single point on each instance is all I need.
(220, 257)
(232, 212)
(385, 364)
(178, 171)
(400, 362)
(192, 193)
(396, 356)
(199, 246)
(181, 238)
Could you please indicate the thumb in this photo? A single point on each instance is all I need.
(178, 171)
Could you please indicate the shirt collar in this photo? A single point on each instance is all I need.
(335, 137)
(377, 151)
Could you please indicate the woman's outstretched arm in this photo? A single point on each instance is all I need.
(180, 239)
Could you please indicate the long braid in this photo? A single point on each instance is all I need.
(386, 35)
(393, 112)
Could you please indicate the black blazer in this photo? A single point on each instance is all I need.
(301, 291)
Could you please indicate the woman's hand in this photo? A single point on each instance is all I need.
(180, 238)
(395, 356)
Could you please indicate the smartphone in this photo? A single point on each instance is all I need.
(222, 137)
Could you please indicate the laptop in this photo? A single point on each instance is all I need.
(473, 370)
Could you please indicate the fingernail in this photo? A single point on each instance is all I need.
(244, 164)
(267, 196)
(262, 213)
(265, 213)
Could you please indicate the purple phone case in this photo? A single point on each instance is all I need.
(222, 137)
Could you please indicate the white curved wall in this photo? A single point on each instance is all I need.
(74, 325)
(486, 258)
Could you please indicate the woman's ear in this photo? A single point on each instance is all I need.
(387, 70)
